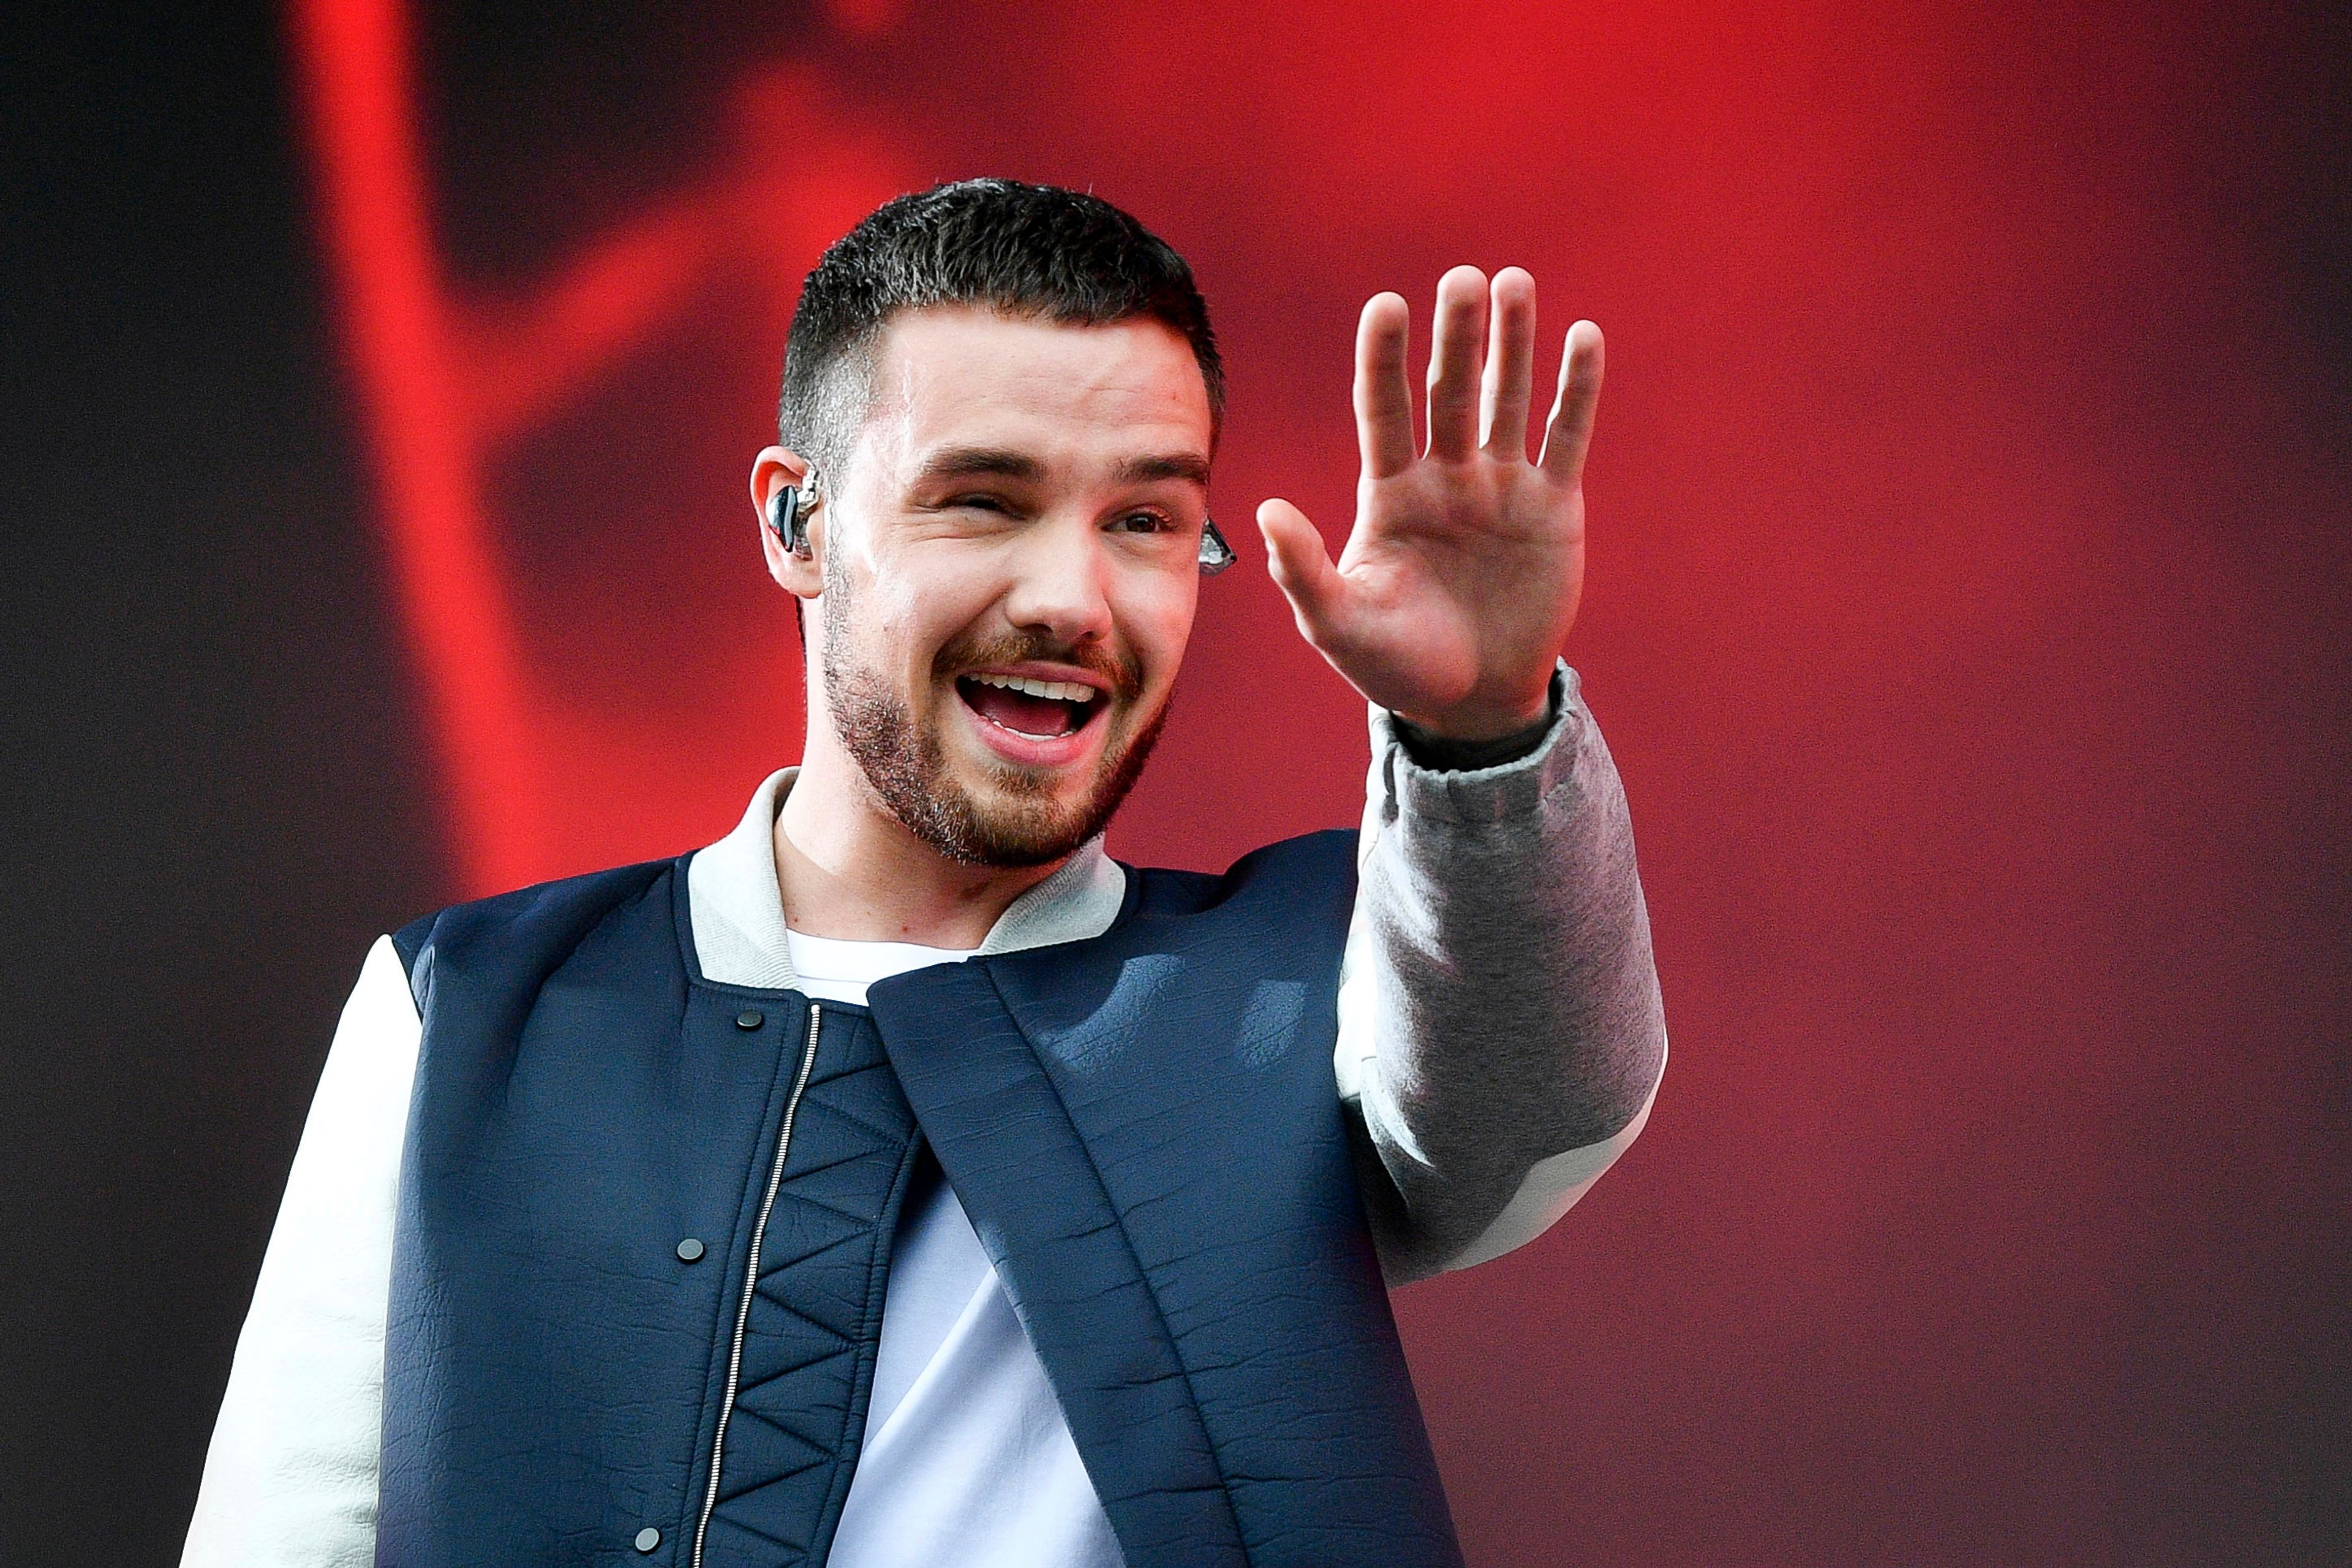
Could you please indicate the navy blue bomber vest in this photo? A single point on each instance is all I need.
(645, 1224)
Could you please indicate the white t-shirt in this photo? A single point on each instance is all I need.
(967, 1458)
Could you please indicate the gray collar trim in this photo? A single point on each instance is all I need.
(738, 908)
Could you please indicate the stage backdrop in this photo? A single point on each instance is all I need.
(1967, 611)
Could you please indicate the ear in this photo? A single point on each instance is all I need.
(773, 470)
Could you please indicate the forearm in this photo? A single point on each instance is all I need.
(1501, 996)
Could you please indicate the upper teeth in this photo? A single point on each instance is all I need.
(1059, 691)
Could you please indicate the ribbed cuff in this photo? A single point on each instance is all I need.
(1421, 784)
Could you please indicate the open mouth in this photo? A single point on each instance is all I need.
(1037, 710)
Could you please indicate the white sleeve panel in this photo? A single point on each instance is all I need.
(291, 1477)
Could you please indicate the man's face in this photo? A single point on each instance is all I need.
(1011, 571)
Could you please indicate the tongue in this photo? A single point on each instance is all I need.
(1018, 709)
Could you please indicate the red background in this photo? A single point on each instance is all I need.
(1967, 611)
(1942, 500)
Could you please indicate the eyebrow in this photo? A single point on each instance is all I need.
(976, 462)
(997, 462)
(1187, 465)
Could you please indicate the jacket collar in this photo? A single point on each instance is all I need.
(738, 908)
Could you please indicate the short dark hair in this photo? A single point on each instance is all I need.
(1066, 256)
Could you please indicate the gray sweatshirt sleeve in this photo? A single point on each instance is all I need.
(1500, 1030)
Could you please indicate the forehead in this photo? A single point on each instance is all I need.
(1074, 396)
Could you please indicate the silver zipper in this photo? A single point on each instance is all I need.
(750, 1285)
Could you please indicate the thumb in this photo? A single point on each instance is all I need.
(1300, 567)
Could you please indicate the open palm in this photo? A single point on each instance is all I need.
(1461, 578)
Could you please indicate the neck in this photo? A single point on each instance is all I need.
(850, 869)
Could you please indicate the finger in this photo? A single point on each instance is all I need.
(1453, 362)
(1383, 385)
(1301, 568)
(1510, 365)
(1571, 431)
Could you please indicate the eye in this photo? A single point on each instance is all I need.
(1146, 522)
(978, 503)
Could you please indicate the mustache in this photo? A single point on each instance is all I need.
(1124, 673)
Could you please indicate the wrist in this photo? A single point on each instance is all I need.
(1480, 723)
(1460, 742)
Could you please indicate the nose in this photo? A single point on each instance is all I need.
(1061, 584)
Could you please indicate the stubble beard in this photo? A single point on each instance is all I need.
(907, 768)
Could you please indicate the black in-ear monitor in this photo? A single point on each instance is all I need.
(788, 519)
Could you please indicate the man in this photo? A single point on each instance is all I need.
(900, 1180)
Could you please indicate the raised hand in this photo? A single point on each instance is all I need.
(1461, 579)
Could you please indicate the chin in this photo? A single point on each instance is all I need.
(1006, 814)
(985, 799)
(1028, 832)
